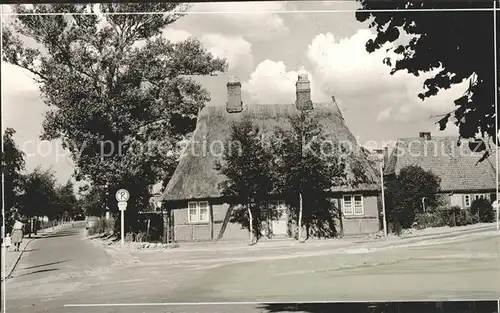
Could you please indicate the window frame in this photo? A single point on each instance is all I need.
(362, 204)
(207, 207)
(467, 198)
(197, 209)
(351, 206)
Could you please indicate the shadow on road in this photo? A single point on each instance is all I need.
(29, 250)
(63, 233)
(36, 272)
(386, 307)
(42, 265)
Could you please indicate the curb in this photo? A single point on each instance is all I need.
(11, 270)
(431, 236)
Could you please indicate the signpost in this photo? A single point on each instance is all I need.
(122, 197)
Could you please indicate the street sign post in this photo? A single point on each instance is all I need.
(122, 197)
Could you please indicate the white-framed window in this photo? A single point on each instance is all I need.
(467, 200)
(353, 205)
(347, 205)
(358, 205)
(193, 212)
(198, 212)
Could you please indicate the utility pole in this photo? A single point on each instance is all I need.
(384, 218)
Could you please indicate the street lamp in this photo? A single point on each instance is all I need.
(384, 219)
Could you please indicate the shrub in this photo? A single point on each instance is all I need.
(129, 237)
(483, 210)
(102, 226)
(141, 237)
(444, 216)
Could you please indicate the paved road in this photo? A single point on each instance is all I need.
(65, 268)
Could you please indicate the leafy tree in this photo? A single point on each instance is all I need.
(67, 204)
(305, 174)
(484, 210)
(404, 195)
(13, 164)
(92, 202)
(248, 171)
(120, 94)
(457, 45)
(39, 194)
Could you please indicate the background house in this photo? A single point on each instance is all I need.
(200, 212)
(463, 179)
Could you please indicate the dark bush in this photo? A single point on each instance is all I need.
(101, 226)
(483, 210)
(445, 216)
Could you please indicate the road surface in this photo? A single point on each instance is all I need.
(65, 272)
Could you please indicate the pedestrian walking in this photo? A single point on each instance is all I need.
(17, 234)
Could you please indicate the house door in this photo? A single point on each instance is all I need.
(280, 222)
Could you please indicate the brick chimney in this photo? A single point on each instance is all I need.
(234, 103)
(425, 135)
(303, 89)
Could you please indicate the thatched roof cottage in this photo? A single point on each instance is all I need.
(200, 212)
(463, 178)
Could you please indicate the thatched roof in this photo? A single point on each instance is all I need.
(457, 167)
(372, 158)
(196, 178)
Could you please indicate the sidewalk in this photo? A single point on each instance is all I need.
(293, 246)
(12, 258)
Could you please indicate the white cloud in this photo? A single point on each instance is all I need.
(236, 50)
(384, 115)
(345, 69)
(271, 82)
(256, 20)
(175, 35)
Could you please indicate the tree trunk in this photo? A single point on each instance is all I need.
(341, 223)
(251, 222)
(300, 218)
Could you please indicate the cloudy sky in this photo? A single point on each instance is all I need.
(266, 45)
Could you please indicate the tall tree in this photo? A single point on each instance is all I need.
(39, 194)
(66, 200)
(457, 45)
(305, 174)
(92, 201)
(248, 171)
(13, 164)
(405, 193)
(120, 94)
